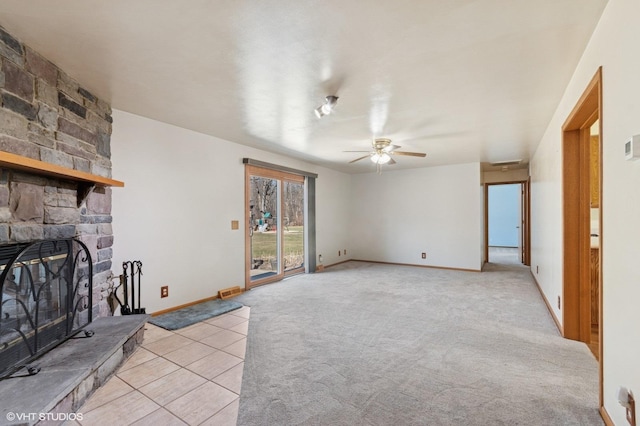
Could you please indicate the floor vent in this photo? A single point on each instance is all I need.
(228, 293)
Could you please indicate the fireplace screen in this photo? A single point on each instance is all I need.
(46, 290)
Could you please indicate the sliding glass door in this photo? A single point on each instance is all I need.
(293, 226)
(274, 225)
(263, 227)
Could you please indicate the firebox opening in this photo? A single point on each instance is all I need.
(46, 289)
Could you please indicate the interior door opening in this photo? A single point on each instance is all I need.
(507, 223)
(582, 309)
(505, 220)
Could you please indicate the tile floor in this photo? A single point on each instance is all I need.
(188, 376)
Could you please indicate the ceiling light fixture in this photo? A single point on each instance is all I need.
(327, 107)
(507, 163)
(380, 158)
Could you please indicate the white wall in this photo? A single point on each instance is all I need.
(332, 211)
(182, 190)
(516, 175)
(614, 45)
(398, 215)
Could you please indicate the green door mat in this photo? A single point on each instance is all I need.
(190, 315)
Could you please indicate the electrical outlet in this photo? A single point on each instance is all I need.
(424, 255)
(537, 269)
(339, 253)
(344, 251)
(164, 291)
(559, 303)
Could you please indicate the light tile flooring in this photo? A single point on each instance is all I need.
(190, 376)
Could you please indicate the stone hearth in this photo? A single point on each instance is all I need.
(71, 372)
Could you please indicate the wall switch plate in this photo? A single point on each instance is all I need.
(632, 148)
(235, 224)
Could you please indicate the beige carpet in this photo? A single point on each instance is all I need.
(375, 344)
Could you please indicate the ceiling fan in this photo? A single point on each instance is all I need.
(382, 152)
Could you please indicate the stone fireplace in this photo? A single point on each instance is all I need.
(48, 117)
(55, 212)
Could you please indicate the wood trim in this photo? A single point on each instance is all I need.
(186, 305)
(486, 224)
(527, 247)
(576, 203)
(571, 269)
(573, 240)
(281, 176)
(588, 103)
(605, 416)
(336, 264)
(273, 174)
(18, 162)
(246, 224)
(576, 213)
(296, 271)
(546, 302)
(585, 234)
(601, 250)
(281, 228)
(275, 167)
(412, 264)
(526, 215)
(268, 280)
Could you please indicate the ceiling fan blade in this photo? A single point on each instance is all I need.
(412, 154)
(390, 148)
(392, 161)
(358, 159)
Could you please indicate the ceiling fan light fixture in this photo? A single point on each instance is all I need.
(380, 158)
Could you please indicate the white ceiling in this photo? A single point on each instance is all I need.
(462, 80)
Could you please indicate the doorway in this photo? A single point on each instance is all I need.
(507, 222)
(582, 221)
(275, 225)
(505, 219)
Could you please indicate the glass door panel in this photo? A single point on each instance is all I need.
(275, 230)
(264, 235)
(293, 226)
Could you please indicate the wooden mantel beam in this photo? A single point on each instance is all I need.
(18, 162)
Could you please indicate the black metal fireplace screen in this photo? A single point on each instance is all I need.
(46, 289)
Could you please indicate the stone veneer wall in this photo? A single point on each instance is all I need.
(47, 116)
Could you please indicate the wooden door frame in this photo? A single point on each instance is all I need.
(525, 215)
(280, 176)
(301, 269)
(576, 197)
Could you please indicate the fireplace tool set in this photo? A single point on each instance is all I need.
(131, 272)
